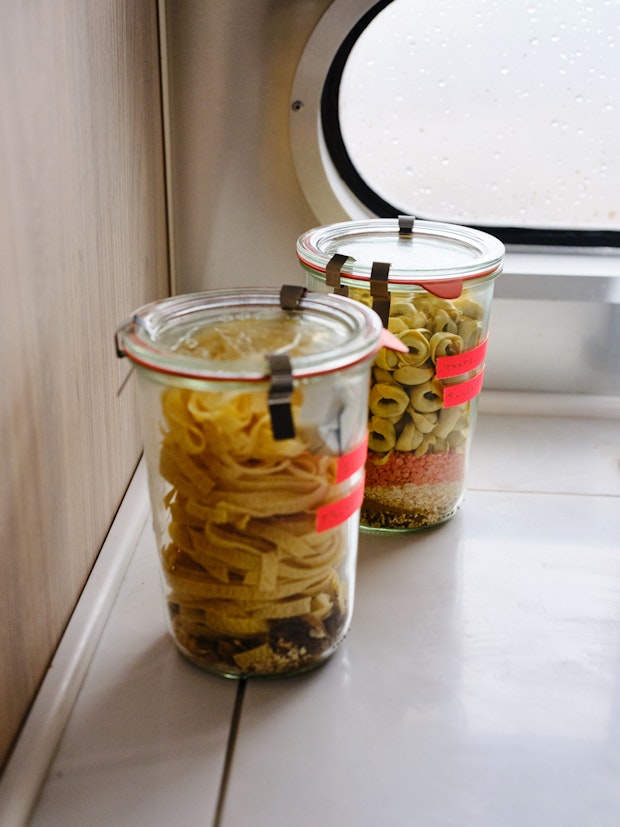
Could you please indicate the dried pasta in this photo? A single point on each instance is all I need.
(414, 473)
(252, 588)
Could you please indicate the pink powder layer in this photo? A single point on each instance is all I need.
(404, 467)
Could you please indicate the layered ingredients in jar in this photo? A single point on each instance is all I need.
(415, 470)
(252, 586)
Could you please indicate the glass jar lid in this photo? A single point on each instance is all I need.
(435, 256)
(229, 334)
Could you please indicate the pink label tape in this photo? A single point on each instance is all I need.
(352, 462)
(463, 392)
(332, 514)
(461, 362)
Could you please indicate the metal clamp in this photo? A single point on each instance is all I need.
(379, 274)
(279, 396)
(137, 321)
(120, 352)
(333, 274)
(291, 295)
(405, 225)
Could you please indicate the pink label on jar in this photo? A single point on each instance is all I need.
(332, 514)
(463, 392)
(352, 462)
(461, 362)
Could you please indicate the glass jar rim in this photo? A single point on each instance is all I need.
(143, 337)
(434, 256)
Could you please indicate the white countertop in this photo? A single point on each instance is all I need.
(479, 684)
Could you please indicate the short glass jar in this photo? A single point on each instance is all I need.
(255, 442)
(432, 285)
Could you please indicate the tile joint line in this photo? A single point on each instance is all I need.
(230, 751)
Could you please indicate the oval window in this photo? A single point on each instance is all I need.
(490, 114)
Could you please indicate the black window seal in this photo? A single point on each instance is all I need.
(334, 142)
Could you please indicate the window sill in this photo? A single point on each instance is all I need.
(482, 654)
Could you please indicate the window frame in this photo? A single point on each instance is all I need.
(324, 60)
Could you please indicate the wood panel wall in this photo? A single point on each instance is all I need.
(82, 243)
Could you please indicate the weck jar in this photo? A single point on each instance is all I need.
(255, 443)
(431, 284)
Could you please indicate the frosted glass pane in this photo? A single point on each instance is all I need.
(489, 112)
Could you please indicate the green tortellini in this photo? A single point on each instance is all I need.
(388, 400)
(381, 434)
(418, 344)
(445, 344)
(406, 399)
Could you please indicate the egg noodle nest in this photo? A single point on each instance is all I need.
(253, 588)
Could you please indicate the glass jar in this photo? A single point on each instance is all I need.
(432, 285)
(255, 443)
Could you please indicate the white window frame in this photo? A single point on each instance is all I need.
(582, 273)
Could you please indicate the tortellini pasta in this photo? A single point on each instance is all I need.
(445, 344)
(387, 400)
(406, 398)
(381, 434)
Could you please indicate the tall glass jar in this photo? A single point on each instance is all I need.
(432, 285)
(255, 442)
